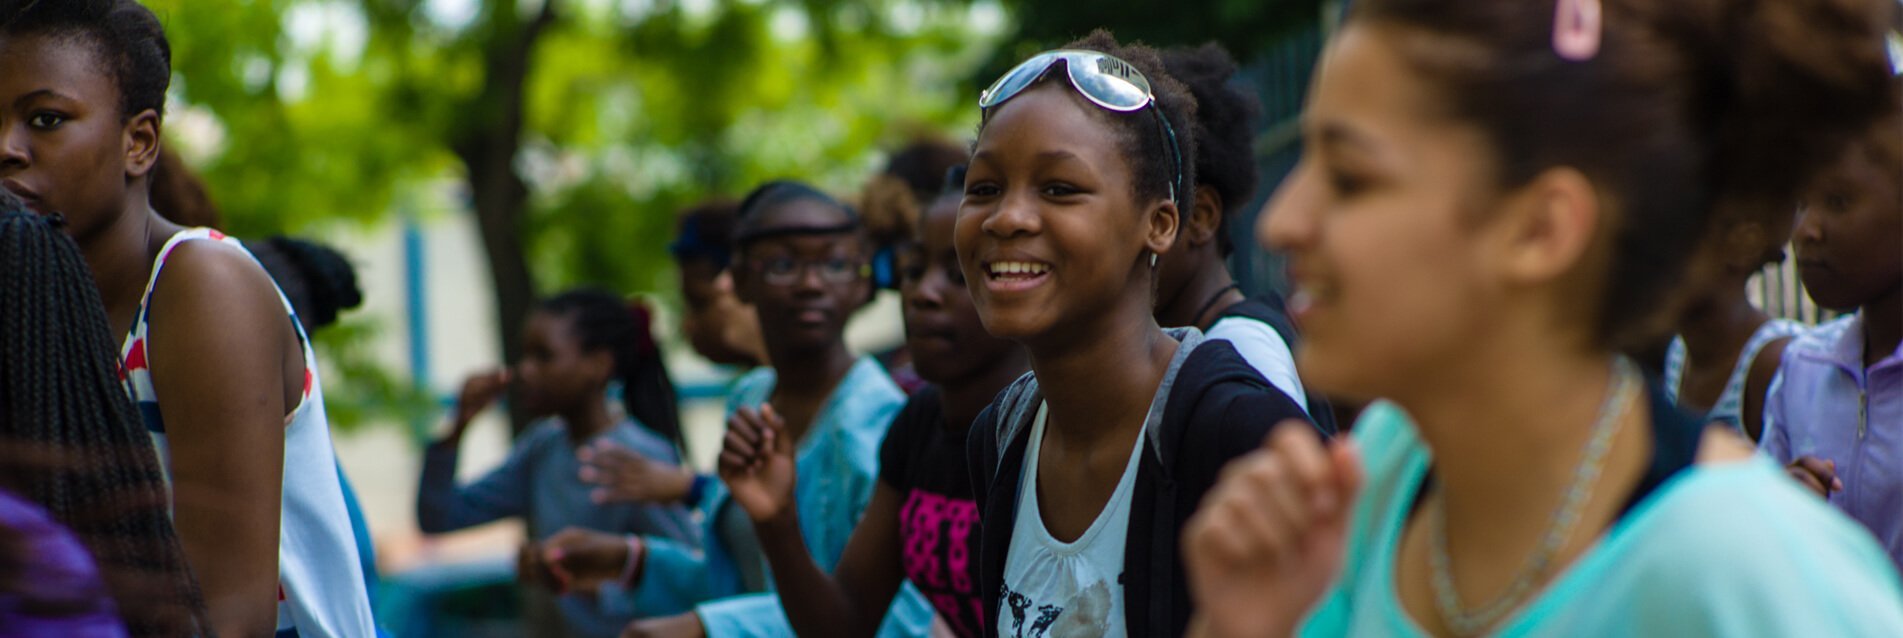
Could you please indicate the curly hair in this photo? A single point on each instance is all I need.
(1226, 116)
(1153, 163)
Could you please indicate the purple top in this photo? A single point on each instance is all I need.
(1825, 404)
(63, 594)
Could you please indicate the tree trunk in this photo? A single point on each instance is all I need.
(487, 143)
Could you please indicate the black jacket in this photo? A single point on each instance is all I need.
(1218, 408)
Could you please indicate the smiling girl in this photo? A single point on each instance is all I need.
(1086, 468)
(1496, 197)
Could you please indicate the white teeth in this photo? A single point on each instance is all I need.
(1018, 268)
(1300, 301)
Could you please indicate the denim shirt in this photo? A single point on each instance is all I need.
(837, 463)
(1825, 403)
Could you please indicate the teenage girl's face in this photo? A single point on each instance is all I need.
(1051, 234)
(1847, 235)
(947, 340)
(64, 147)
(556, 374)
(1378, 223)
(811, 312)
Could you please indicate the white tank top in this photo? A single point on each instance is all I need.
(1054, 589)
(320, 583)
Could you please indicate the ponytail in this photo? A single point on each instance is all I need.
(601, 320)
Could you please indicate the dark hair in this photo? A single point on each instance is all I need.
(921, 165)
(74, 443)
(773, 195)
(894, 199)
(705, 233)
(1225, 127)
(604, 321)
(179, 195)
(124, 34)
(1152, 161)
(1686, 104)
(319, 281)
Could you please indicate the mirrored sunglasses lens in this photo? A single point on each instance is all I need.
(1014, 81)
(1110, 83)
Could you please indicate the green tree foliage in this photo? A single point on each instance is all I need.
(1248, 28)
(575, 128)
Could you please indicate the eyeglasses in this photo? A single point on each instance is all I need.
(787, 271)
(1104, 79)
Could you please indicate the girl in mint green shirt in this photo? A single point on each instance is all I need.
(1495, 198)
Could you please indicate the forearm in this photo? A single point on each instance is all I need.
(442, 506)
(816, 603)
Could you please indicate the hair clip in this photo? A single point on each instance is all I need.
(1576, 29)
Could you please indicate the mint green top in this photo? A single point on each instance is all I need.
(1733, 549)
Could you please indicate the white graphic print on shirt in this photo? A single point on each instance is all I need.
(1054, 589)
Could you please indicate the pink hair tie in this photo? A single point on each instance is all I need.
(1576, 29)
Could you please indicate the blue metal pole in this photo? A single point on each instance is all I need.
(415, 276)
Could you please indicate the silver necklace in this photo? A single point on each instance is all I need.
(1471, 622)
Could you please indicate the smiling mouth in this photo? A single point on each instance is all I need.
(1016, 270)
(1305, 296)
(1015, 275)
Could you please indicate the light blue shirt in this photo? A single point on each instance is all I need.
(1733, 549)
(838, 463)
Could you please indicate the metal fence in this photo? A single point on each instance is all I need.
(1780, 293)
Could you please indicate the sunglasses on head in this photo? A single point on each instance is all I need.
(1106, 80)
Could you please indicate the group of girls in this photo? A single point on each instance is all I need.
(1496, 200)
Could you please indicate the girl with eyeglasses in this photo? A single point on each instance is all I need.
(800, 259)
(1496, 198)
(1086, 467)
(920, 531)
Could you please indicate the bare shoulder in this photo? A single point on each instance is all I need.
(1721, 445)
(215, 283)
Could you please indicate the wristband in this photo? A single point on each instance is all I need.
(697, 489)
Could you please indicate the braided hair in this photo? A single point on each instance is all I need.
(603, 320)
(72, 440)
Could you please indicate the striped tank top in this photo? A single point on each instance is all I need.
(320, 583)
(1730, 405)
